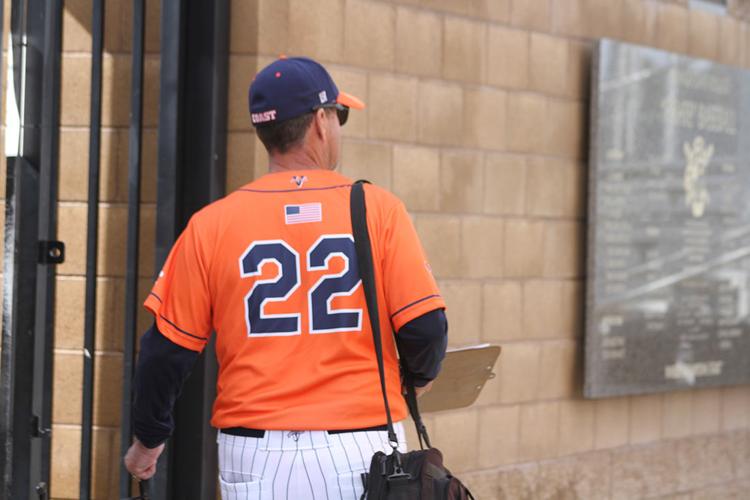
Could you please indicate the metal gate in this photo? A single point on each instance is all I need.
(191, 173)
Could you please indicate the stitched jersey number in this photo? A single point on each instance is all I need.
(280, 287)
(331, 286)
(276, 289)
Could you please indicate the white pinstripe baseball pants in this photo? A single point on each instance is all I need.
(299, 465)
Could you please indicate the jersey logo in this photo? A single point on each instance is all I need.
(299, 180)
(306, 212)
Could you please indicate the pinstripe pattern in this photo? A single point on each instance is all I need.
(291, 465)
(335, 468)
(348, 462)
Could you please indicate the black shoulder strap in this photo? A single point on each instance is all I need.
(411, 402)
(367, 274)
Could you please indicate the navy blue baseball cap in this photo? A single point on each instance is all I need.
(291, 87)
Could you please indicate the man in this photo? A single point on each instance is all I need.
(272, 269)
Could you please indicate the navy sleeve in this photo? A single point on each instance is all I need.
(162, 368)
(421, 346)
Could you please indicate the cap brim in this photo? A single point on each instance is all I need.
(350, 101)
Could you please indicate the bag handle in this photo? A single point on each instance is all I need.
(411, 402)
(367, 275)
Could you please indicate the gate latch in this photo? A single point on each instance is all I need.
(51, 252)
(41, 491)
(36, 429)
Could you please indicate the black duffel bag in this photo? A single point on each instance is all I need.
(416, 475)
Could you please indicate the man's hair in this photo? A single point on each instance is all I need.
(285, 136)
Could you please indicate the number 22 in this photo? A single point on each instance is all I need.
(280, 287)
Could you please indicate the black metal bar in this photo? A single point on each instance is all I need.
(169, 158)
(170, 127)
(19, 266)
(19, 273)
(44, 333)
(92, 241)
(219, 91)
(192, 173)
(134, 212)
(204, 146)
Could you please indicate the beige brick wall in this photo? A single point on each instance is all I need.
(72, 219)
(477, 120)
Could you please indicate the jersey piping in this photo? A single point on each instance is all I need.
(414, 304)
(293, 190)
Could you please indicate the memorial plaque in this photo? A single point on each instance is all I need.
(668, 285)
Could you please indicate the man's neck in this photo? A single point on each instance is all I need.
(294, 160)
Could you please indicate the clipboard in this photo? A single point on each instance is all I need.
(464, 373)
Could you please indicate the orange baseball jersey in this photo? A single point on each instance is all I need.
(272, 269)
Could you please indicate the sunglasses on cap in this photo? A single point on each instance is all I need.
(342, 112)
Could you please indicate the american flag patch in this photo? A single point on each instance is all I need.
(307, 212)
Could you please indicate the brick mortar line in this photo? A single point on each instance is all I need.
(370, 71)
(505, 217)
(541, 340)
(72, 351)
(442, 14)
(111, 276)
(444, 147)
(73, 127)
(78, 426)
(456, 149)
(103, 204)
(525, 341)
(85, 54)
(490, 280)
(700, 489)
(70, 203)
(459, 279)
(424, 144)
(81, 277)
(569, 38)
(108, 128)
(579, 398)
(519, 155)
(493, 280)
(554, 30)
(610, 451)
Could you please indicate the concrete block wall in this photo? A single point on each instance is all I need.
(72, 218)
(478, 119)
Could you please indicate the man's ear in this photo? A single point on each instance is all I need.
(319, 122)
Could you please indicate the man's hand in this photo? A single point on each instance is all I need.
(141, 461)
(422, 390)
